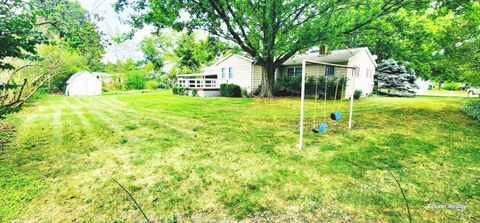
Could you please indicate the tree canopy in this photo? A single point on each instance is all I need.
(439, 42)
(18, 36)
(73, 43)
(72, 24)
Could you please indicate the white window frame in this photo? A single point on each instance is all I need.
(224, 72)
(230, 73)
(326, 70)
(297, 71)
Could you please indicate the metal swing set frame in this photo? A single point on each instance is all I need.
(302, 101)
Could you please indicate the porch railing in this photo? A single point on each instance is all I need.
(200, 83)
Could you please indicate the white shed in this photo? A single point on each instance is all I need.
(83, 83)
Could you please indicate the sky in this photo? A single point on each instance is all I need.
(112, 25)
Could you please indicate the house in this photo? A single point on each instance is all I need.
(423, 86)
(83, 83)
(247, 73)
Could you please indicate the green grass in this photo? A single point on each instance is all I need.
(437, 92)
(230, 159)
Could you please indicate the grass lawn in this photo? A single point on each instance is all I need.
(221, 159)
(436, 92)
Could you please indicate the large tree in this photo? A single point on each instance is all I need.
(270, 31)
(460, 45)
(18, 33)
(439, 42)
(72, 23)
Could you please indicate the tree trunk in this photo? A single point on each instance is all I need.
(268, 79)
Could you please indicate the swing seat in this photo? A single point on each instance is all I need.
(321, 129)
(338, 114)
(332, 116)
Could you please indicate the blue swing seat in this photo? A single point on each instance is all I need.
(322, 128)
(338, 114)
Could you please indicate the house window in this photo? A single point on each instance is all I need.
(329, 70)
(230, 73)
(224, 72)
(294, 71)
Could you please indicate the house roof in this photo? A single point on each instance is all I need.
(78, 74)
(251, 60)
(336, 56)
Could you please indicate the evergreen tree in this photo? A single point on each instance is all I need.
(394, 79)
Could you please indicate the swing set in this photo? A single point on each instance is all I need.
(336, 114)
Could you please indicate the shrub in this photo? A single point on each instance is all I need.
(395, 78)
(257, 90)
(179, 90)
(162, 85)
(134, 80)
(357, 94)
(245, 93)
(472, 108)
(194, 92)
(450, 86)
(151, 85)
(230, 90)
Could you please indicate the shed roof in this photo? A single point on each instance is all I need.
(78, 74)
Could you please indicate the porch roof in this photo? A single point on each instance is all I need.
(196, 75)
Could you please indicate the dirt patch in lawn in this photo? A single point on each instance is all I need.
(7, 132)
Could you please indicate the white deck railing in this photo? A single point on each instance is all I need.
(200, 83)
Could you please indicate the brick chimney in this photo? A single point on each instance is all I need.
(323, 50)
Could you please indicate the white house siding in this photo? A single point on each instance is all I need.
(257, 76)
(242, 71)
(364, 79)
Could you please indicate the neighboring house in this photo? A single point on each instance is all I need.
(423, 86)
(245, 72)
(83, 83)
(104, 77)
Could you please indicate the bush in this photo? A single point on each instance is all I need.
(257, 90)
(230, 90)
(179, 90)
(162, 85)
(472, 108)
(395, 78)
(134, 80)
(357, 94)
(450, 86)
(152, 85)
(245, 93)
(194, 92)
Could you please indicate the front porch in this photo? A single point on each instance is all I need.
(207, 85)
